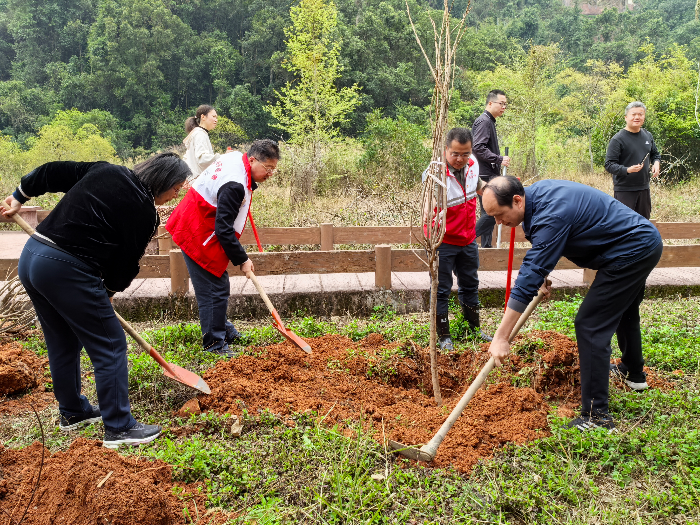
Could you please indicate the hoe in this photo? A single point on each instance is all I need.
(428, 452)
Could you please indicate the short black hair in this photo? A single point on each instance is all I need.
(161, 172)
(505, 188)
(461, 135)
(493, 95)
(264, 149)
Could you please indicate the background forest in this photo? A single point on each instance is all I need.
(115, 80)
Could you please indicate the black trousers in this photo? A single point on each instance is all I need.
(611, 306)
(485, 224)
(463, 261)
(74, 311)
(212, 295)
(639, 201)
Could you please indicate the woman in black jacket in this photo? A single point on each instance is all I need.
(85, 251)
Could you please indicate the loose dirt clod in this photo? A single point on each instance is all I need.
(137, 492)
(19, 369)
(189, 408)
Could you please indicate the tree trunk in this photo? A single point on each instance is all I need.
(433, 332)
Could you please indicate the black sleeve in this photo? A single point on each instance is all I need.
(480, 140)
(612, 157)
(654, 153)
(230, 197)
(52, 177)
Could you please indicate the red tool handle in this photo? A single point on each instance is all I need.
(255, 231)
(510, 260)
(510, 264)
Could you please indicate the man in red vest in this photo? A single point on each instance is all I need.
(206, 226)
(458, 252)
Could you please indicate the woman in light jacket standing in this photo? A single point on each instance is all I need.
(199, 153)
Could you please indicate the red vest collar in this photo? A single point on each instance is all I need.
(246, 163)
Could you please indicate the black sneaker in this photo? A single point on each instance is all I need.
(586, 423)
(637, 384)
(446, 344)
(223, 351)
(68, 423)
(136, 435)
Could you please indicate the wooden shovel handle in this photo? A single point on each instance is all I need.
(262, 293)
(23, 224)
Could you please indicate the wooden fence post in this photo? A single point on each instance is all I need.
(29, 214)
(588, 276)
(165, 241)
(327, 237)
(382, 271)
(179, 276)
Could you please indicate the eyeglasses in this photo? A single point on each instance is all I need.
(268, 169)
(502, 104)
(459, 155)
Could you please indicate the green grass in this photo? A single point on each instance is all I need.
(648, 472)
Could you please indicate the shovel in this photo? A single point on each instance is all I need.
(175, 372)
(276, 320)
(428, 452)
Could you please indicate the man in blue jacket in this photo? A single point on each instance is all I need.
(592, 230)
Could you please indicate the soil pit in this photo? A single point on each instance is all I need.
(137, 491)
(388, 387)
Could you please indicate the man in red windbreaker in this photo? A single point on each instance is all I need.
(458, 252)
(206, 226)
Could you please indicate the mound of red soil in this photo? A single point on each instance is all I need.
(19, 369)
(137, 492)
(388, 387)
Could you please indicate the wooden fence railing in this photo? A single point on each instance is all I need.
(383, 260)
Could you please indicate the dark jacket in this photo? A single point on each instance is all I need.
(106, 217)
(585, 225)
(485, 146)
(626, 149)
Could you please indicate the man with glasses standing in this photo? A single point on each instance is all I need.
(458, 252)
(488, 154)
(206, 226)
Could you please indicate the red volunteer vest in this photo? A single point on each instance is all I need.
(192, 223)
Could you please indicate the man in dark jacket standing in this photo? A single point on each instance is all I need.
(591, 229)
(488, 154)
(630, 154)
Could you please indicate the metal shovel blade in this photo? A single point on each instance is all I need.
(291, 336)
(179, 374)
(409, 452)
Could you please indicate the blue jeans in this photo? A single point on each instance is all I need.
(463, 261)
(74, 311)
(212, 294)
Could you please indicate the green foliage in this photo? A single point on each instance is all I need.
(395, 149)
(71, 136)
(309, 327)
(312, 107)
(226, 134)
